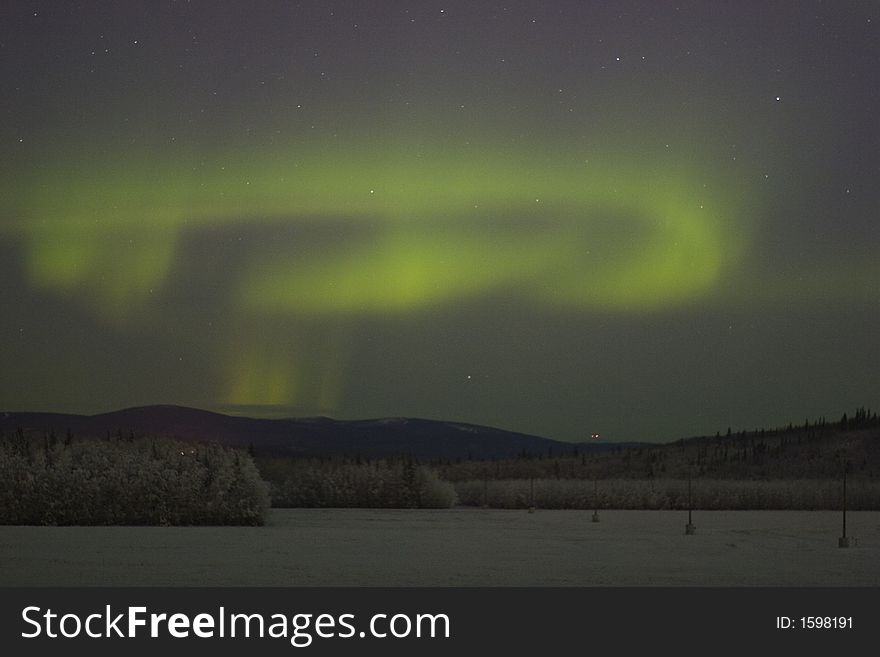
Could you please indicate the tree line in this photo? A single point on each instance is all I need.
(813, 450)
(400, 483)
(127, 482)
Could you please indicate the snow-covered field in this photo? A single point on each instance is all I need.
(457, 547)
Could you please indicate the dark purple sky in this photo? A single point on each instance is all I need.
(644, 219)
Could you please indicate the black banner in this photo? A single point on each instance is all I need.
(432, 621)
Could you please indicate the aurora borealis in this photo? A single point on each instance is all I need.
(644, 219)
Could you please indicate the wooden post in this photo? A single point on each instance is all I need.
(689, 528)
(690, 500)
(596, 500)
(845, 541)
(531, 494)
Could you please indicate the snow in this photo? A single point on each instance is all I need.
(457, 547)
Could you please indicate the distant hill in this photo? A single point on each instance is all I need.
(813, 450)
(424, 439)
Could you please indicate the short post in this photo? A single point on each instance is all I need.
(689, 528)
(596, 500)
(845, 541)
(485, 491)
(531, 494)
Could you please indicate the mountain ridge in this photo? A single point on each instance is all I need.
(417, 437)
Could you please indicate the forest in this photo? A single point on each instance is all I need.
(143, 480)
(127, 481)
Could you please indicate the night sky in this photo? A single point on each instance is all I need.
(644, 219)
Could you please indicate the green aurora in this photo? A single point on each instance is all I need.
(289, 241)
(579, 234)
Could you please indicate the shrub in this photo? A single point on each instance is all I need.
(670, 494)
(380, 484)
(142, 482)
